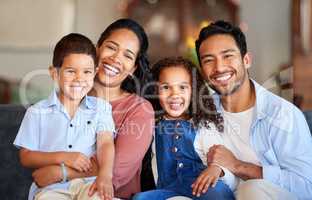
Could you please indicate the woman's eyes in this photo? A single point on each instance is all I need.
(129, 56)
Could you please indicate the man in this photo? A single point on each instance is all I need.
(267, 142)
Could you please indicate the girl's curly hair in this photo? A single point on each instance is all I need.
(202, 108)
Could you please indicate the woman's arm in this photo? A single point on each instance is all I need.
(132, 142)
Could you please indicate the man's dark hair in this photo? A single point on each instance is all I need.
(222, 27)
(73, 43)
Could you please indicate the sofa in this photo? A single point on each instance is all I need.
(15, 180)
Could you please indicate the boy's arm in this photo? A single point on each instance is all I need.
(37, 159)
(105, 153)
(48, 175)
(105, 156)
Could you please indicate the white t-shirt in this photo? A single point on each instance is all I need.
(236, 135)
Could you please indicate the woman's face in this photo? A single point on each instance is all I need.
(117, 56)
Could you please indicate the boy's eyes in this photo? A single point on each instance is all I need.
(164, 87)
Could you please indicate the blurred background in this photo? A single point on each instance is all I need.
(278, 37)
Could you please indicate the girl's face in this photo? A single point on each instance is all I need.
(174, 90)
(117, 56)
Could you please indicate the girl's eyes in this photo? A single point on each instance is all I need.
(69, 71)
(183, 87)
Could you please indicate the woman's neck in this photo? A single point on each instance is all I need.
(108, 93)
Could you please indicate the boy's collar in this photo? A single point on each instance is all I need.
(53, 100)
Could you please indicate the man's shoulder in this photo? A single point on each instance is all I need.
(276, 110)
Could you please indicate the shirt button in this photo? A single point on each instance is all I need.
(174, 149)
(180, 165)
(176, 136)
(88, 122)
(71, 125)
(178, 125)
(70, 146)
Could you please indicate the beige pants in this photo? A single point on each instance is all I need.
(256, 189)
(260, 189)
(78, 190)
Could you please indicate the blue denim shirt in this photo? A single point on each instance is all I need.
(282, 141)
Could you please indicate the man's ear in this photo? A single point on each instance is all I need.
(247, 60)
(53, 73)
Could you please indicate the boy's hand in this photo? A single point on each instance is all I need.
(78, 161)
(104, 186)
(47, 175)
(207, 178)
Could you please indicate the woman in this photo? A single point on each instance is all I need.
(123, 71)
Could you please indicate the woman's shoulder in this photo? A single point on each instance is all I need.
(133, 103)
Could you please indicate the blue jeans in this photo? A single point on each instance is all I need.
(219, 192)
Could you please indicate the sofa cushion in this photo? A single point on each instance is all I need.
(15, 180)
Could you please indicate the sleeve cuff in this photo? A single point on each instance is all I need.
(271, 173)
(229, 179)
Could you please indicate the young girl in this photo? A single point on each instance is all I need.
(181, 171)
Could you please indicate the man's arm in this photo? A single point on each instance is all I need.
(222, 156)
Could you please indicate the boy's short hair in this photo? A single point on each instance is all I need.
(73, 43)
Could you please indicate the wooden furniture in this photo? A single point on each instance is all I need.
(173, 26)
(302, 52)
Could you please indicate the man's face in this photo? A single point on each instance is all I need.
(222, 64)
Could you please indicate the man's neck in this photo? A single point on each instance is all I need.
(241, 100)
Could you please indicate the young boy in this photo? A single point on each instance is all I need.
(66, 129)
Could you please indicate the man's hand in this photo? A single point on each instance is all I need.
(104, 186)
(220, 155)
(77, 161)
(47, 175)
(209, 177)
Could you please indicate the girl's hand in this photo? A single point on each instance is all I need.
(104, 186)
(209, 177)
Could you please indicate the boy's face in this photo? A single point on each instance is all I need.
(174, 90)
(75, 77)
